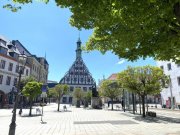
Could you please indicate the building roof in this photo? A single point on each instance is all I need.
(50, 81)
(21, 48)
(112, 77)
(78, 74)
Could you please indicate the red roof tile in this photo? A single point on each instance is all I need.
(113, 77)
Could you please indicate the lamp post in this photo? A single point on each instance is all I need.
(43, 95)
(21, 63)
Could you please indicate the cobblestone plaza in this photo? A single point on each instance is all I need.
(79, 121)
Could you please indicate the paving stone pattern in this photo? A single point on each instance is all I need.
(79, 121)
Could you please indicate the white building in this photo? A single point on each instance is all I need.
(173, 90)
(9, 70)
(38, 65)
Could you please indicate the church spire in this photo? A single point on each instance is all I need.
(78, 50)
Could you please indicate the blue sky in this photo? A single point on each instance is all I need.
(45, 28)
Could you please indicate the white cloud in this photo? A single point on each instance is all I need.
(121, 62)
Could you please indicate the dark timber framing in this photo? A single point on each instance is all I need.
(78, 74)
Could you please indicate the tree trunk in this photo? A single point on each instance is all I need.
(143, 105)
(146, 103)
(124, 101)
(140, 104)
(30, 111)
(78, 103)
(49, 100)
(111, 103)
(58, 104)
(133, 103)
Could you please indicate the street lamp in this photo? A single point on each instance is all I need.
(43, 95)
(21, 65)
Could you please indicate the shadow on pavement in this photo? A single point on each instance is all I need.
(62, 111)
(33, 115)
(148, 119)
(43, 122)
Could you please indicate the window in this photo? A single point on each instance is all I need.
(75, 79)
(10, 67)
(85, 88)
(162, 67)
(27, 71)
(70, 99)
(22, 69)
(1, 79)
(8, 80)
(2, 65)
(169, 66)
(178, 79)
(3, 50)
(15, 81)
(71, 73)
(81, 79)
(76, 73)
(88, 80)
(64, 99)
(90, 88)
(71, 88)
(67, 79)
(2, 42)
(17, 69)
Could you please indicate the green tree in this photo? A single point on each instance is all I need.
(24, 81)
(58, 91)
(87, 98)
(110, 89)
(131, 29)
(32, 90)
(78, 95)
(51, 94)
(146, 80)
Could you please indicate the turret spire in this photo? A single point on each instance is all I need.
(78, 50)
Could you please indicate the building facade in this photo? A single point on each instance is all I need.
(78, 76)
(172, 91)
(38, 65)
(9, 68)
(129, 96)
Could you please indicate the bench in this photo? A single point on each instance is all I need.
(64, 108)
(150, 113)
(117, 107)
(38, 111)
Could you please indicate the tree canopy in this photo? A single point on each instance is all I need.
(110, 89)
(31, 90)
(78, 94)
(143, 80)
(131, 29)
(146, 80)
(58, 91)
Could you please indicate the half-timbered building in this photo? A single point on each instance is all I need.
(78, 76)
